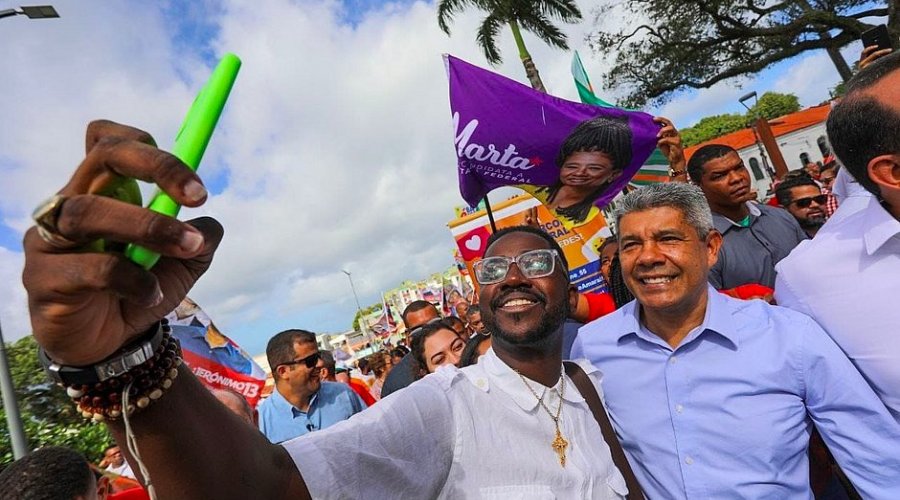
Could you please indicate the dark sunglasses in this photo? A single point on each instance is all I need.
(806, 202)
(310, 361)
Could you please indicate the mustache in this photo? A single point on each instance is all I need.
(520, 290)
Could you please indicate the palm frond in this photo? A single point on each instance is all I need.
(542, 28)
(446, 9)
(565, 10)
(487, 38)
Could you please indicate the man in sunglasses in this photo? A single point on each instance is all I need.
(803, 199)
(301, 401)
(755, 237)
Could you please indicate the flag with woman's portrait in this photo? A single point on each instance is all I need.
(573, 157)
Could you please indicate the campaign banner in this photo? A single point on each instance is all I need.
(656, 167)
(573, 157)
(214, 358)
(579, 244)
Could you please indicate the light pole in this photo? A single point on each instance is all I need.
(32, 12)
(362, 320)
(13, 418)
(762, 132)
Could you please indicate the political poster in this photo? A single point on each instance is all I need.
(214, 358)
(573, 157)
(579, 244)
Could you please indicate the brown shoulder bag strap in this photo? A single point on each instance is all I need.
(589, 393)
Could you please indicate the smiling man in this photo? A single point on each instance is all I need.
(302, 402)
(714, 397)
(483, 431)
(755, 237)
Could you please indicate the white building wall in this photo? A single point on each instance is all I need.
(792, 145)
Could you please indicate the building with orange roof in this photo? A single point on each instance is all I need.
(800, 136)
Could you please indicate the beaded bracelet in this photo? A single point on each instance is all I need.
(145, 383)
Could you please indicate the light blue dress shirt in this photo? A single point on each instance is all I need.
(727, 413)
(280, 421)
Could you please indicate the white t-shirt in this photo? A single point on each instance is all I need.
(476, 432)
(122, 470)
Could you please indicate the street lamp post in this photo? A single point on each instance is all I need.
(762, 132)
(362, 321)
(32, 12)
(13, 418)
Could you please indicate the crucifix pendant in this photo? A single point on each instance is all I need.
(559, 446)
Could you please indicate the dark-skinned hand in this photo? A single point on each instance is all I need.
(85, 304)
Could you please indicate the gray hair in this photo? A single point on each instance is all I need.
(686, 198)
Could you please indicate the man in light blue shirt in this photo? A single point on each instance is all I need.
(714, 397)
(301, 401)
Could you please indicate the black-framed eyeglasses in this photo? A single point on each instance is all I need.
(806, 202)
(532, 264)
(417, 330)
(310, 361)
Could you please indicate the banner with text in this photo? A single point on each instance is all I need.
(573, 157)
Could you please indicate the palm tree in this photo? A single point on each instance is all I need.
(535, 16)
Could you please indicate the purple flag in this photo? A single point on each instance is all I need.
(573, 157)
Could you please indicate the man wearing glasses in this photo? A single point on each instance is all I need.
(301, 401)
(803, 199)
(481, 431)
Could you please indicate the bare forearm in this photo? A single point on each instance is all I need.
(193, 447)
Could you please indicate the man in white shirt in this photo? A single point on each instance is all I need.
(513, 426)
(116, 462)
(847, 277)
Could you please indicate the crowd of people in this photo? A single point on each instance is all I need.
(685, 384)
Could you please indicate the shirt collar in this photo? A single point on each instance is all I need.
(283, 406)
(507, 380)
(879, 226)
(723, 224)
(718, 320)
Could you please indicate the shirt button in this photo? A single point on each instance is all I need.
(673, 360)
(688, 460)
(679, 408)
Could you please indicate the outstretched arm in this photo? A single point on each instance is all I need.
(85, 305)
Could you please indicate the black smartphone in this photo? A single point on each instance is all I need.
(877, 36)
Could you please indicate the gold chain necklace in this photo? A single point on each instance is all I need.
(559, 444)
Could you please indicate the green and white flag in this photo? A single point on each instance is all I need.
(656, 168)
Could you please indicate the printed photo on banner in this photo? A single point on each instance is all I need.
(574, 158)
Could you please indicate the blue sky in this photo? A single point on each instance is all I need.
(335, 151)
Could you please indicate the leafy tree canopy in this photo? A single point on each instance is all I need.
(770, 105)
(48, 415)
(675, 44)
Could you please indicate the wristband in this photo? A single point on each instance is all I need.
(127, 358)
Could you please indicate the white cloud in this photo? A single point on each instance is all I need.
(336, 142)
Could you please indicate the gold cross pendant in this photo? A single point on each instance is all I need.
(559, 446)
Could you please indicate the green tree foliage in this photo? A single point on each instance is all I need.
(535, 16)
(366, 311)
(670, 45)
(770, 105)
(48, 415)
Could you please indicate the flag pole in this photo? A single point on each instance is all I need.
(490, 213)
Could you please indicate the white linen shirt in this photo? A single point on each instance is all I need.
(476, 432)
(848, 279)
